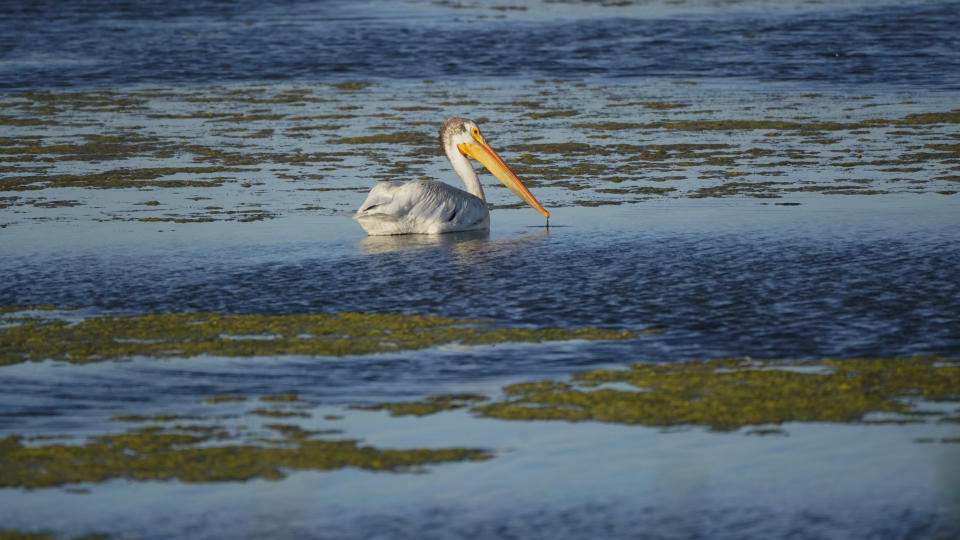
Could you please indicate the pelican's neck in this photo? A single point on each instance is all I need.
(465, 170)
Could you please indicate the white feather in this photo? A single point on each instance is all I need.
(421, 207)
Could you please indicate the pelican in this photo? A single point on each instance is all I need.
(431, 207)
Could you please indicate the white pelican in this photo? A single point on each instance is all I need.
(431, 207)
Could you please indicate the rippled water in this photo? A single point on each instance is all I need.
(71, 44)
(766, 281)
(791, 274)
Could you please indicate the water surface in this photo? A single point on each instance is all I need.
(69, 44)
(771, 180)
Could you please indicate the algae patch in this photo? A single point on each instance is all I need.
(198, 455)
(14, 534)
(225, 141)
(727, 394)
(946, 118)
(223, 398)
(113, 337)
(405, 137)
(120, 178)
(430, 405)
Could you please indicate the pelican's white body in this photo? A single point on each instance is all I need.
(427, 206)
(421, 207)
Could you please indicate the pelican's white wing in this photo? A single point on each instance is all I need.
(421, 207)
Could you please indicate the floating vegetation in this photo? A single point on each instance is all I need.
(431, 405)
(224, 398)
(295, 432)
(97, 147)
(151, 418)
(592, 142)
(537, 115)
(119, 178)
(724, 394)
(34, 307)
(727, 394)
(210, 214)
(280, 413)
(405, 137)
(950, 117)
(14, 534)
(200, 455)
(351, 86)
(192, 334)
(282, 398)
(655, 105)
(56, 102)
(653, 152)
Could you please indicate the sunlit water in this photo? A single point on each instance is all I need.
(820, 276)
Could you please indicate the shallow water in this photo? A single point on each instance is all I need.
(771, 180)
(634, 483)
(723, 278)
(720, 279)
(66, 44)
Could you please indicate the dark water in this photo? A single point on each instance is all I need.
(718, 279)
(781, 282)
(85, 43)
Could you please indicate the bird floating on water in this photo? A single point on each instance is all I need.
(431, 207)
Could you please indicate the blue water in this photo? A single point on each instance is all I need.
(823, 276)
(767, 281)
(77, 44)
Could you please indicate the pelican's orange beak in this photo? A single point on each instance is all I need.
(482, 152)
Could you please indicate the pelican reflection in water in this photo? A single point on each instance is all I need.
(472, 245)
(431, 207)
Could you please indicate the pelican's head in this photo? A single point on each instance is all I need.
(464, 135)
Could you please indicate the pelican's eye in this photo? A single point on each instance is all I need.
(476, 134)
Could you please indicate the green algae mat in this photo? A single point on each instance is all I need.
(177, 447)
(197, 453)
(257, 153)
(725, 394)
(721, 395)
(12, 534)
(109, 337)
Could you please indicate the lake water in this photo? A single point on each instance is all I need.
(769, 180)
(82, 44)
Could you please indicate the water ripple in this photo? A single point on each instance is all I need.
(62, 45)
(751, 293)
